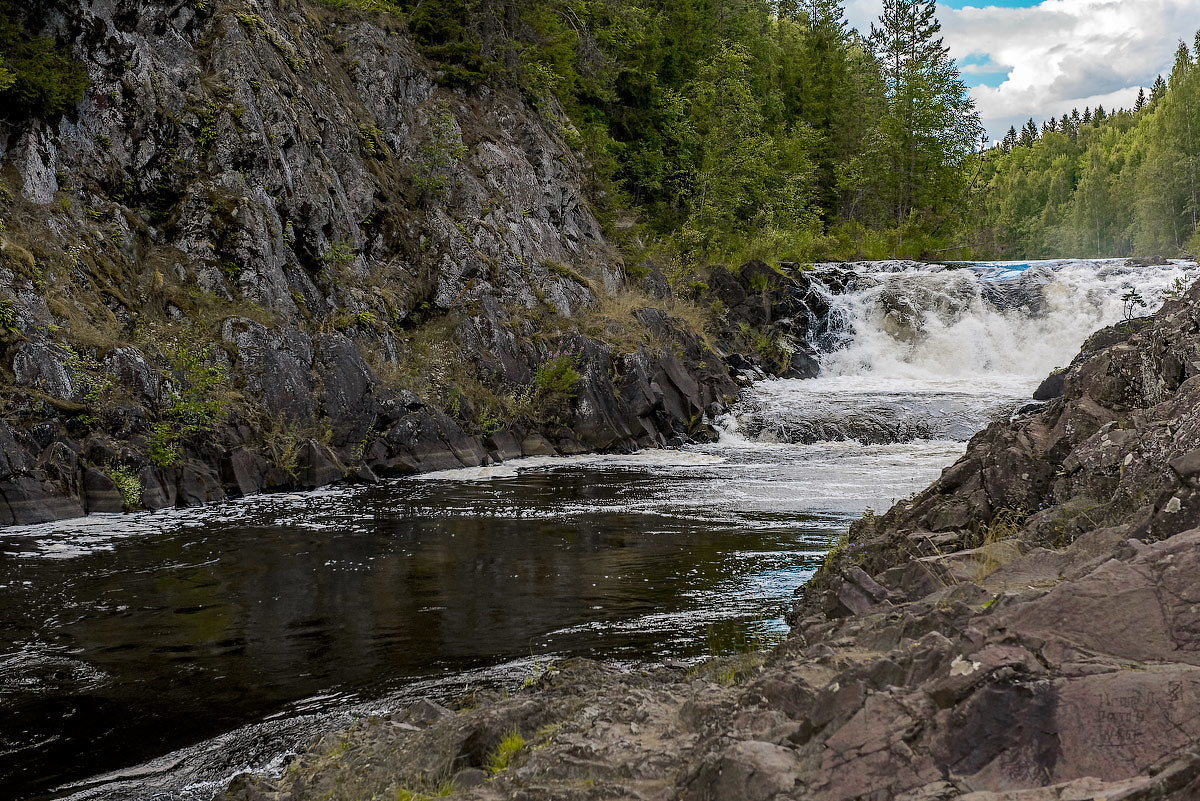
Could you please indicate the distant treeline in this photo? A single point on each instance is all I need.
(1099, 183)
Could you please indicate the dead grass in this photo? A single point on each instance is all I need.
(612, 319)
(434, 367)
(1005, 525)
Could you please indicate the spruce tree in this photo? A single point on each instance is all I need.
(1087, 115)
(1140, 103)
(1010, 138)
(931, 127)
(1029, 134)
(1158, 89)
(827, 99)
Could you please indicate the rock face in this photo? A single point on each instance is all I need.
(269, 250)
(1026, 629)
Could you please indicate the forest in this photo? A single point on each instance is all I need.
(722, 130)
(746, 128)
(1125, 183)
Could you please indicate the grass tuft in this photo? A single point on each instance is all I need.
(500, 759)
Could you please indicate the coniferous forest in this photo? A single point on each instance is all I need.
(752, 129)
(717, 130)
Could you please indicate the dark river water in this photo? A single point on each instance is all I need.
(134, 641)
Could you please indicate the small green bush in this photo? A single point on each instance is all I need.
(195, 407)
(129, 485)
(8, 316)
(339, 255)
(558, 374)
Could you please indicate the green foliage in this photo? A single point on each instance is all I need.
(8, 317)
(129, 485)
(372, 141)
(500, 759)
(439, 154)
(37, 77)
(96, 386)
(558, 374)
(197, 402)
(339, 255)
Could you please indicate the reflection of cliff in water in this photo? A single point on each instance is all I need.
(164, 630)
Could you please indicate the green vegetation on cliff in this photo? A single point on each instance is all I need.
(734, 130)
(37, 76)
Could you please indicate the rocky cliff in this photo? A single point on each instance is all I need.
(270, 249)
(1023, 630)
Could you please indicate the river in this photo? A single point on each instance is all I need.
(152, 656)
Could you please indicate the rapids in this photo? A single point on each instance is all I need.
(153, 656)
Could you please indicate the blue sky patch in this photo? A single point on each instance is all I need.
(978, 69)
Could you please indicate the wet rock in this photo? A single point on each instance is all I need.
(537, 445)
(196, 485)
(158, 490)
(100, 494)
(317, 465)
(1051, 387)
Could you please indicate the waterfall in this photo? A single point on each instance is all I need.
(913, 351)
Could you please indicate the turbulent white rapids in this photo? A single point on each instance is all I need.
(933, 352)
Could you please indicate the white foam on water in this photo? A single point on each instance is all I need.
(641, 460)
(933, 353)
(1001, 324)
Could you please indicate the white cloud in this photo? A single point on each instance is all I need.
(1060, 54)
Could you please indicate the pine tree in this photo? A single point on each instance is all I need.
(1100, 116)
(932, 126)
(1140, 103)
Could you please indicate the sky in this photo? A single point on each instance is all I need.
(1041, 58)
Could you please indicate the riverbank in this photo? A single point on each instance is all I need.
(1022, 629)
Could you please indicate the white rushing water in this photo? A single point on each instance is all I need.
(934, 352)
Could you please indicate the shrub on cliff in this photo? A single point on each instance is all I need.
(38, 78)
